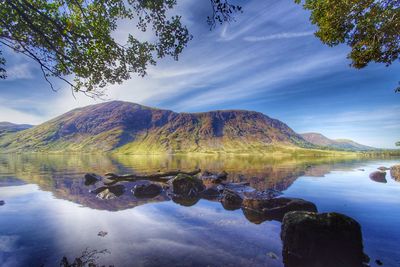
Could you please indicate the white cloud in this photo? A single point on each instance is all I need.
(20, 71)
(278, 36)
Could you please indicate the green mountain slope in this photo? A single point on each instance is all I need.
(131, 128)
(344, 144)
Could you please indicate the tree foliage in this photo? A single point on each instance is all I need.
(74, 37)
(370, 27)
(398, 143)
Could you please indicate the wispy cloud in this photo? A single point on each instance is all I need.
(278, 36)
(19, 72)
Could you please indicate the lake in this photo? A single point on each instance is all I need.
(49, 213)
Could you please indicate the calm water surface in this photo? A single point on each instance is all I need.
(49, 212)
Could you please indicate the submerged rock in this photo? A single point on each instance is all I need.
(231, 200)
(109, 192)
(2, 202)
(102, 233)
(378, 176)
(382, 168)
(395, 172)
(146, 190)
(258, 209)
(186, 185)
(321, 240)
(92, 178)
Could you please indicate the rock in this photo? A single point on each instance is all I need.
(256, 200)
(186, 185)
(379, 262)
(378, 176)
(109, 192)
(327, 239)
(211, 193)
(2, 202)
(260, 206)
(91, 178)
(231, 200)
(361, 170)
(102, 233)
(146, 190)
(395, 172)
(382, 168)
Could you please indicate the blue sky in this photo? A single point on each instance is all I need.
(268, 61)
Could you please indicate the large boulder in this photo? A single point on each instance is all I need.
(378, 176)
(262, 207)
(231, 200)
(149, 190)
(187, 185)
(321, 240)
(395, 172)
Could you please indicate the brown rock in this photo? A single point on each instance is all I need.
(378, 176)
(395, 172)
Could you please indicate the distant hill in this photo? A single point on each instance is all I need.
(345, 144)
(8, 127)
(131, 128)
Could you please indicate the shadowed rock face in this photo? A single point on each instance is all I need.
(321, 240)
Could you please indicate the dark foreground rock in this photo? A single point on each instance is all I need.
(378, 176)
(395, 172)
(146, 190)
(231, 200)
(258, 208)
(321, 240)
(186, 185)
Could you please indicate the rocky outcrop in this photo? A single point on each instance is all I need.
(378, 176)
(109, 192)
(395, 172)
(148, 190)
(321, 240)
(186, 185)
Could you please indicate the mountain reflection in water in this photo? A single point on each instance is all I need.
(48, 191)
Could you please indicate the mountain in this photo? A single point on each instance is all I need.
(345, 144)
(131, 128)
(8, 127)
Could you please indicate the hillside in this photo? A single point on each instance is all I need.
(345, 144)
(131, 128)
(8, 127)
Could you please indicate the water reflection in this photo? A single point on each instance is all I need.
(50, 212)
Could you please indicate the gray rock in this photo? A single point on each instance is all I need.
(146, 190)
(258, 209)
(186, 185)
(378, 176)
(321, 240)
